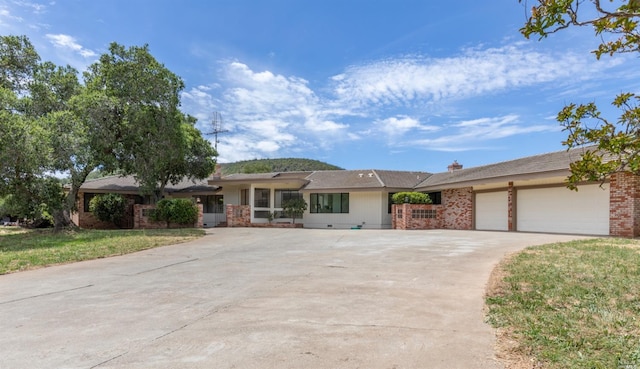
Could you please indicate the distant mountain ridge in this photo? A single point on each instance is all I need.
(276, 165)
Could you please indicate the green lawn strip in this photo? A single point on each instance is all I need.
(573, 305)
(38, 248)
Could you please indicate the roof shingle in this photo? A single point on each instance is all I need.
(544, 163)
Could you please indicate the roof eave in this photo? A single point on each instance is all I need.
(491, 180)
(227, 182)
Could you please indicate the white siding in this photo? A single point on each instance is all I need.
(560, 210)
(231, 195)
(365, 208)
(386, 215)
(492, 210)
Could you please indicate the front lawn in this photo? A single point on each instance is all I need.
(22, 250)
(569, 305)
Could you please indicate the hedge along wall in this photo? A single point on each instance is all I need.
(141, 218)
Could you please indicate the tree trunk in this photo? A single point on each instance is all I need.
(62, 217)
(62, 220)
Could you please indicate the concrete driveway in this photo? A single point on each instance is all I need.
(264, 298)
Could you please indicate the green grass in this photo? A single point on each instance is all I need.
(22, 250)
(571, 305)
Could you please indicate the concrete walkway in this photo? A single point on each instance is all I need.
(264, 298)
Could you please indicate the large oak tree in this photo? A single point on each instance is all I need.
(125, 117)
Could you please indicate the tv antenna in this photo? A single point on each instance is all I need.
(216, 123)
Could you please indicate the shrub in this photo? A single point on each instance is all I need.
(180, 211)
(109, 207)
(411, 198)
(294, 208)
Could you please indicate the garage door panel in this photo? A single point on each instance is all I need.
(492, 209)
(561, 210)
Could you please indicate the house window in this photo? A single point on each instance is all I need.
(329, 203)
(261, 197)
(244, 197)
(423, 214)
(261, 214)
(285, 195)
(436, 197)
(87, 200)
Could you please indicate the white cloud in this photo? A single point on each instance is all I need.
(37, 8)
(473, 73)
(388, 100)
(471, 134)
(201, 104)
(276, 112)
(6, 13)
(69, 43)
(401, 124)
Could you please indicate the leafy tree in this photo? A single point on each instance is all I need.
(18, 61)
(411, 198)
(180, 211)
(36, 124)
(34, 202)
(124, 119)
(157, 144)
(616, 142)
(294, 208)
(109, 207)
(179, 152)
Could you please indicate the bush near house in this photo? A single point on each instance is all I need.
(109, 207)
(178, 211)
(294, 208)
(411, 198)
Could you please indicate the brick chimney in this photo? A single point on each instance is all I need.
(454, 166)
(218, 172)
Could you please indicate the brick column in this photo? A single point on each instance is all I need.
(200, 221)
(624, 205)
(238, 215)
(458, 208)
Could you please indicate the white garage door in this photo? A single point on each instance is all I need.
(492, 211)
(559, 210)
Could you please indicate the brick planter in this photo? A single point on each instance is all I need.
(417, 216)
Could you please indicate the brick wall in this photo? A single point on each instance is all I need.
(624, 205)
(458, 208)
(417, 216)
(238, 216)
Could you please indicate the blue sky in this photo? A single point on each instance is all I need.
(386, 84)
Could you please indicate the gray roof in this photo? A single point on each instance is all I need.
(128, 184)
(401, 179)
(257, 177)
(363, 179)
(537, 166)
(550, 163)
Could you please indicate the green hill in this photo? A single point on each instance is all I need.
(276, 165)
